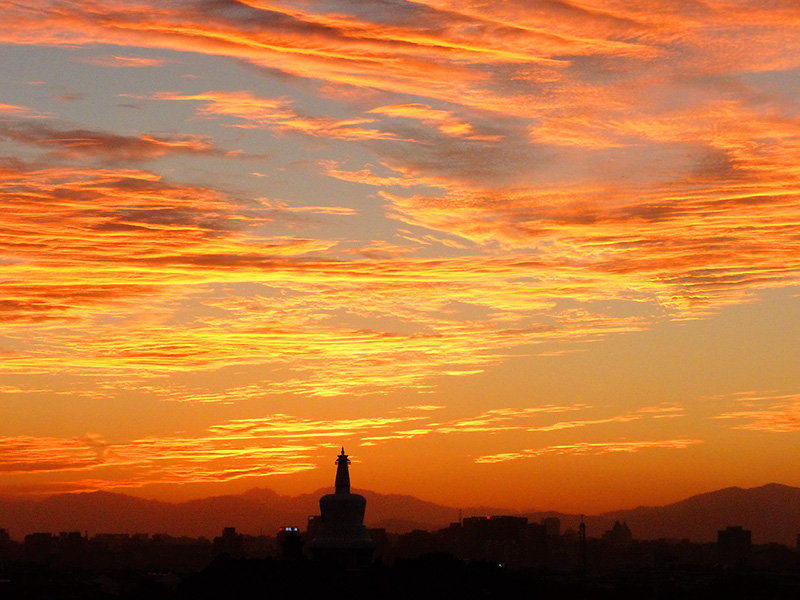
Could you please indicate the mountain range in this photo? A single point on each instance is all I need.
(771, 512)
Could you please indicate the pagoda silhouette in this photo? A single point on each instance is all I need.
(342, 538)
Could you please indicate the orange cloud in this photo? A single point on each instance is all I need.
(140, 247)
(662, 411)
(110, 60)
(283, 208)
(607, 188)
(584, 448)
(504, 419)
(25, 454)
(273, 445)
(443, 120)
(83, 143)
(776, 413)
(439, 53)
(583, 423)
(13, 109)
(279, 115)
(691, 250)
(443, 50)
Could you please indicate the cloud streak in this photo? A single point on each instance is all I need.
(252, 111)
(769, 412)
(589, 448)
(277, 444)
(123, 62)
(273, 445)
(110, 148)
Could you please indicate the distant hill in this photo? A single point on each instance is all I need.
(253, 512)
(772, 512)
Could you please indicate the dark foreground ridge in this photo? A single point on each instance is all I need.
(443, 576)
(429, 576)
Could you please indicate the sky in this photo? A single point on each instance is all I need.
(525, 254)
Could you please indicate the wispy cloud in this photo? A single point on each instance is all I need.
(272, 445)
(112, 148)
(251, 111)
(583, 423)
(30, 454)
(13, 109)
(122, 62)
(442, 120)
(11, 113)
(663, 411)
(502, 419)
(772, 412)
(132, 239)
(583, 448)
(275, 444)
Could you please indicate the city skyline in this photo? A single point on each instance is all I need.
(512, 254)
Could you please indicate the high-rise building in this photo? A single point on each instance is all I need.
(733, 546)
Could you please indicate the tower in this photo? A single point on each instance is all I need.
(342, 538)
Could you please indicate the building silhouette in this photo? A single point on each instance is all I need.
(619, 535)
(342, 538)
(734, 546)
(229, 541)
(290, 543)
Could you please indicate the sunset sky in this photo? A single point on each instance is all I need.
(521, 253)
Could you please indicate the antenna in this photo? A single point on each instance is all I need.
(582, 544)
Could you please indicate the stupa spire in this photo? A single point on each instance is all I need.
(342, 474)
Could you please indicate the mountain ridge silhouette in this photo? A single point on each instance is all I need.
(771, 512)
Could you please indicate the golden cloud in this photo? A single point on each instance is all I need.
(772, 412)
(584, 448)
